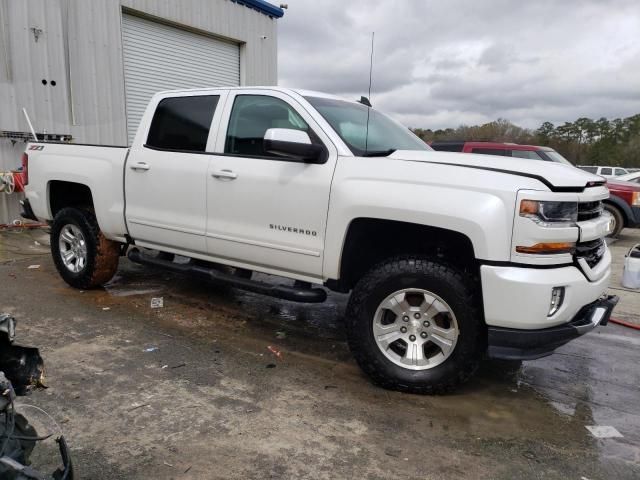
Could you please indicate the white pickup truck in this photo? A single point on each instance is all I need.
(448, 257)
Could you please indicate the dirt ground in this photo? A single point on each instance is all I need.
(192, 391)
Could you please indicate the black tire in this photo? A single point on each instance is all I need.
(459, 291)
(618, 219)
(102, 255)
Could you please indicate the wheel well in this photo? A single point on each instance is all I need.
(370, 241)
(68, 194)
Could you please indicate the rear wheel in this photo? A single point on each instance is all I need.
(83, 256)
(413, 325)
(618, 219)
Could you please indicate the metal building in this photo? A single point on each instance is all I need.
(85, 69)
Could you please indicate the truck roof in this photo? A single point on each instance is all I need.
(302, 92)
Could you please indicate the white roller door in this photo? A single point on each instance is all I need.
(159, 57)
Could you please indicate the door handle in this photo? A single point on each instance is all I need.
(140, 166)
(228, 174)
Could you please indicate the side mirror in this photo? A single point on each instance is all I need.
(293, 145)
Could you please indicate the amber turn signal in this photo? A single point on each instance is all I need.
(548, 248)
(529, 207)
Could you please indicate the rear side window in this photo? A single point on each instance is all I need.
(252, 116)
(490, 151)
(590, 169)
(606, 171)
(528, 154)
(182, 123)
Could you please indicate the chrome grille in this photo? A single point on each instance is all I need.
(589, 210)
(591, 251)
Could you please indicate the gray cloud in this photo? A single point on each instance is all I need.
(442, 64)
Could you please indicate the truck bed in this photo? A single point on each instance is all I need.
(63, 165)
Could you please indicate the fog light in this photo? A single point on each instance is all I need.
(557, 297)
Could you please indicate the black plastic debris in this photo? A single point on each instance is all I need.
(21, 369)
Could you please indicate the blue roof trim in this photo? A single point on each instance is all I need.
(262, 7)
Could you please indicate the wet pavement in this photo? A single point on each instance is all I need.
(192, 390)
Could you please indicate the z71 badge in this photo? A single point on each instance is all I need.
(36, 147)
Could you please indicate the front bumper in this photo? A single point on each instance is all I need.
(517, 344)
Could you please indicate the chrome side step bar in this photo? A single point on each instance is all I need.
(291, 293)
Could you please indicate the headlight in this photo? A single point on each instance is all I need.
(635, 199)
(550, 214)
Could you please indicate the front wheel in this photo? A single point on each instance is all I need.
(413, 325)
(83, 256)
(617, 219)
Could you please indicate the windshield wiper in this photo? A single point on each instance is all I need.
(378, 153)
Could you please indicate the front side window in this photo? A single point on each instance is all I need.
(620, 171)
(182, 123)
(528, 154)
(252, 116)
(366, 131)
(490, 151)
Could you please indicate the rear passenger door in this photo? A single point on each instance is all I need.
(166, 173)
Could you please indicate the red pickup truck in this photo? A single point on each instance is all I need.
(623, 204)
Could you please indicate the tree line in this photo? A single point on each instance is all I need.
(583, 142)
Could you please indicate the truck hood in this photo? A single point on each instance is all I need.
(553, 175)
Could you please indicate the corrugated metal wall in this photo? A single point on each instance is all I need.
(88, 99)
(160, 57)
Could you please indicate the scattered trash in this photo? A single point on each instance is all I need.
(37, 243)
(164, 366)
(179, 365)
(271, 365)
(275, 351)
(603, 431)
(393, 452)
(106, 308)
(168, 464)
(151, 349)
(13, 275)
(157, 302)
(136, 406)
(281, 335)
(187, 470)
(33, 267)
(328, 387)
(631, 268)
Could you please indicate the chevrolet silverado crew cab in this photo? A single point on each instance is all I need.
(448, 257)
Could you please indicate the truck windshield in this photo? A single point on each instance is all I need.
(349, 120)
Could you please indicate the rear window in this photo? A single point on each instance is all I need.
(490, 151)
(182, 123)
(528, 154)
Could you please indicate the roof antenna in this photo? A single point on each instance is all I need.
(366, 101)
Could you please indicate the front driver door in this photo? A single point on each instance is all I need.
(264, 212)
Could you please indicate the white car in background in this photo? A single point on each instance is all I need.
(630, 177)
(606, 172)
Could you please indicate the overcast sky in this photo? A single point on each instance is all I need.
(444, 63)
